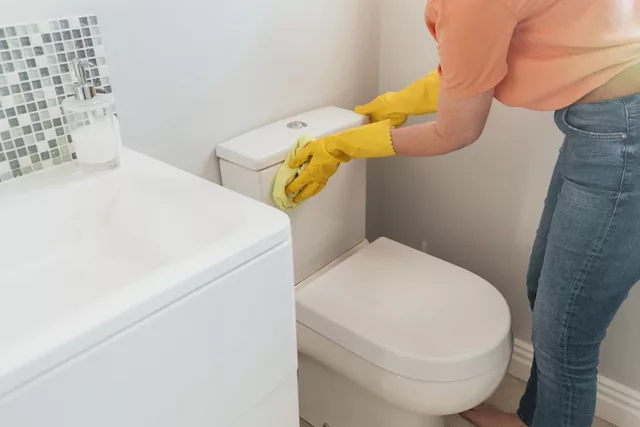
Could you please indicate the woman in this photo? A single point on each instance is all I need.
(579, 57)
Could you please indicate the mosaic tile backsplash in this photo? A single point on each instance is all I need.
(36, 75)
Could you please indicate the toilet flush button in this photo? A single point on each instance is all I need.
(297, 125)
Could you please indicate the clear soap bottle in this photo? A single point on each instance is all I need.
(93, 124)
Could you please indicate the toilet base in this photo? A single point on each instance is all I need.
(328, 399)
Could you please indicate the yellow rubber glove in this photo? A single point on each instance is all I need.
(323, 156)
(418, 98)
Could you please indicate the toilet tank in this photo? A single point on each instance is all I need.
(329, 224)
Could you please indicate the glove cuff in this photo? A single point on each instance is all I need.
(369, 141)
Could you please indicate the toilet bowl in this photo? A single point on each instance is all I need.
(387, 335)
(400, 331)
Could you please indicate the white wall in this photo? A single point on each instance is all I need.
(478, 208)
(189, 74)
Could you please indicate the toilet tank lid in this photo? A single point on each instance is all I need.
(269, 145)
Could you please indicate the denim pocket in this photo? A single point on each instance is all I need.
(595, 121)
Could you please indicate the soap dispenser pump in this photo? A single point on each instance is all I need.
(92, 123)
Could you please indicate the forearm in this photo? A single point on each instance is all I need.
(424, 140)
(459, 123)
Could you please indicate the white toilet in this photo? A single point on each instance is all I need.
(388, 336)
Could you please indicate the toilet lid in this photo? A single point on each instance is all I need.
(409, 313)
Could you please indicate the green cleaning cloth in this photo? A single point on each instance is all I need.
(287, 174)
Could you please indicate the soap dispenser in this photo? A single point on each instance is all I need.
(92, 122)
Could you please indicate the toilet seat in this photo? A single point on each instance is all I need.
(409, 313)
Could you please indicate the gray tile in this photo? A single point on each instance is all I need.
(21, 65)
(22, 30)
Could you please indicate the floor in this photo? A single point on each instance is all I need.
(506, 399)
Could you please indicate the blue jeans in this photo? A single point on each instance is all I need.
(585, 259)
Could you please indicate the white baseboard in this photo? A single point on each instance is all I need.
(617, 404)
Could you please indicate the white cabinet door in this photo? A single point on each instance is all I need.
(205, 360)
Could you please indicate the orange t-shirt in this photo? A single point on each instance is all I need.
(538, 54)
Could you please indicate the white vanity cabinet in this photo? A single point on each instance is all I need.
(205, 340)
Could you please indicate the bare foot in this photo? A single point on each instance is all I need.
(488, 416)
